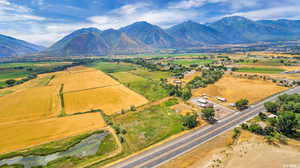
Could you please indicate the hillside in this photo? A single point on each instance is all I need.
(195, 33)
(10, 46)
(151, 35)
(81, 42)
(238, 29)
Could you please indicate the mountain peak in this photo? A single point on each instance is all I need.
(234, 19)
(88, 30)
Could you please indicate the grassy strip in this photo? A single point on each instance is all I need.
(186, 62)
(260, 70)
(110, 67)
(49, 148)
(62, 101)
(145, 128)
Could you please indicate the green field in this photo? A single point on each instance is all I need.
(192, 61)
(260, 70)
(150, 125)
(140, 82)
(31, 64)
(109, 67)
(13, 74)
(18, 71)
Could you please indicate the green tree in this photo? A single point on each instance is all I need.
(208, 114)
(271, 107)
(287, 123)
(242, 104)
(186, 93)
(10, 82)
(190, 120)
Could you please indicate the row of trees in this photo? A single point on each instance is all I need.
(208, 77)
(184, 92)
(287, 109)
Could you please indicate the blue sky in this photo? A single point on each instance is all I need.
(46, 21)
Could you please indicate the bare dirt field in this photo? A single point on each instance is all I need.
(27, 134)
(30, 104)
(249, 151)
(109, 99)
(234, 89)
(183, 108)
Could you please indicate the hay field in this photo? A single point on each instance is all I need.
(81, 79)
(30, 104)
(109, 99)
(27, 134)
(234, 89)
(286, 68)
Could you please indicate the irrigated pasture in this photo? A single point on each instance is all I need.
(110, 99)
(234, 89)
(27, 134)
(30, 104)
(82, 79)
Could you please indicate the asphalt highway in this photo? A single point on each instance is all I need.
(156, 156)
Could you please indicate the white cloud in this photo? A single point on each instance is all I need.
(285, 12)
(234, 4)
(12, 12)
(141, 12)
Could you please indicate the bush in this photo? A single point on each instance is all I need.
(262, 116)
(255, 128)
(244, 126)
(132, 108)
(236, 133)
(242, 104)
(190, 120)
(208, 114)
(271, 107)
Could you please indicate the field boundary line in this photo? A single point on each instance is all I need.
(74, 91)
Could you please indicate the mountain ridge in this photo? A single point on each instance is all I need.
(144, 37)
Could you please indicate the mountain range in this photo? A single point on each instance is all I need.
(143, 37)
(10, 46)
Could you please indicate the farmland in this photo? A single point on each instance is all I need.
(188, 62)
(234, 89)
(36, 106)
(113, 67)
(260, 70)
(26, 134)
(149, 126)
(138, 79)
(89, 78)
(18, 71)
(109, 99)
(149, 88)
(30, 105)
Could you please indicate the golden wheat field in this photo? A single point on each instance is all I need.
(30, 104)
(27, 134)
(109, 99)
(30, 112)
(82, 78)
(234, 89)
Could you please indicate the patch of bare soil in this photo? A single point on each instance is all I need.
(249, 151)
